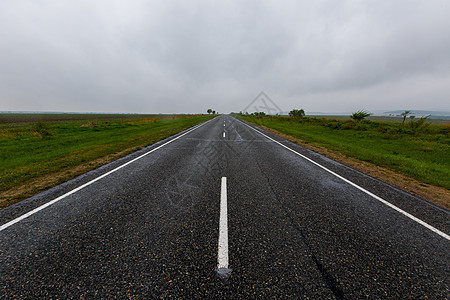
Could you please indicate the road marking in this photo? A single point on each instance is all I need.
(224, 134)
(18, 219)
(222, 255)
(435, 230)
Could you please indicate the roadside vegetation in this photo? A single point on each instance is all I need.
(39, 151)
(416, 148)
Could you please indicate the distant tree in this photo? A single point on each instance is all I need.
(404, 115)
(360, 115)
(298, 113)
(260, 113)
(209, 111)
(213, 112)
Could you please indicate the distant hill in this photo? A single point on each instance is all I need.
(318, 113)
(421, 113)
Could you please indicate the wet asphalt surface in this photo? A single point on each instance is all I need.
(150, 229)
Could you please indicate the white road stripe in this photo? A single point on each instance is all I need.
(224, 134)
(446, 236)
(10, 223)
(222, 255)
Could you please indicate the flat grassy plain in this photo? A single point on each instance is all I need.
(39, 151)
(421, 153)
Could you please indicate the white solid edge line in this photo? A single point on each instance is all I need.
(222, 256)
(360, 188)
(18, 219)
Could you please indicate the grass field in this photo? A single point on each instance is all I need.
(38, 151)
(421, 152)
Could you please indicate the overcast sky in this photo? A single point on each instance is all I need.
(187, 56)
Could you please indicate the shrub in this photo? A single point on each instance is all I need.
(42, 129)
(418, 126)
(348, 125)
(361, 127)
(445, 129)
(382, 129)
(335, 125)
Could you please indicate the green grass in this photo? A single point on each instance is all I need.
(35, 145)
(421, 153)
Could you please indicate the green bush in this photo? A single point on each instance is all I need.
(418, 125)
(42, 129)
(298, 113)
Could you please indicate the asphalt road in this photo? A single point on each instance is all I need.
(295, 230)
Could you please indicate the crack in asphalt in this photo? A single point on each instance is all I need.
(329, 280)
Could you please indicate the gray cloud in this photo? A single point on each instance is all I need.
(180, 56)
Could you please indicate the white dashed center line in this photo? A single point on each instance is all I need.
(222, 256)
